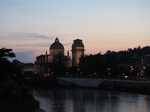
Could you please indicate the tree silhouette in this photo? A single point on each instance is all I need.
(5, 64)
(108, 64)
(15, 95)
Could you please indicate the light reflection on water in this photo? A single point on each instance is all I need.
(90, 100)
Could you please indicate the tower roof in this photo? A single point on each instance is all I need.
(57, 45)
(78, 42)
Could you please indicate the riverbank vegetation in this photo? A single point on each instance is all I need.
(128, 62)
(15, 95)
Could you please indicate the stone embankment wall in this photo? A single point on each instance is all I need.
(108, 84)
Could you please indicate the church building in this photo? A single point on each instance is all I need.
(56, 54)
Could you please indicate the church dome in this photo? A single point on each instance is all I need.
(56, 45)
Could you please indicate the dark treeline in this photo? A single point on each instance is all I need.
(127, 62)
(15, 95)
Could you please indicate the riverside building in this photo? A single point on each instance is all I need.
(56, 54)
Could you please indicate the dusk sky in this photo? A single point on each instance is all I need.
(29, 27)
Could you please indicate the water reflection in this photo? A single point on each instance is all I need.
(90, 100)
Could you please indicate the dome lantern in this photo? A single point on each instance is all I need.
(56, 40)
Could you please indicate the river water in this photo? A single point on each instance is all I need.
(90, 100)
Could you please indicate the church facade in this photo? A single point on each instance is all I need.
(56, 54)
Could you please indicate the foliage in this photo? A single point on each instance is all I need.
(57, 67)
(15, 95)
(110, 62)
(5, 64)
(6, 53)
(147, 71)
(91, 64)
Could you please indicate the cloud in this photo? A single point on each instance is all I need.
(27, 46)
(25, 41)
(33, 45)
(26, 36)
(26, 56)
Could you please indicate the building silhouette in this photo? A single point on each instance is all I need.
(56, 54)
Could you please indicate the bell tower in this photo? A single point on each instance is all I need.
(77, 51)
